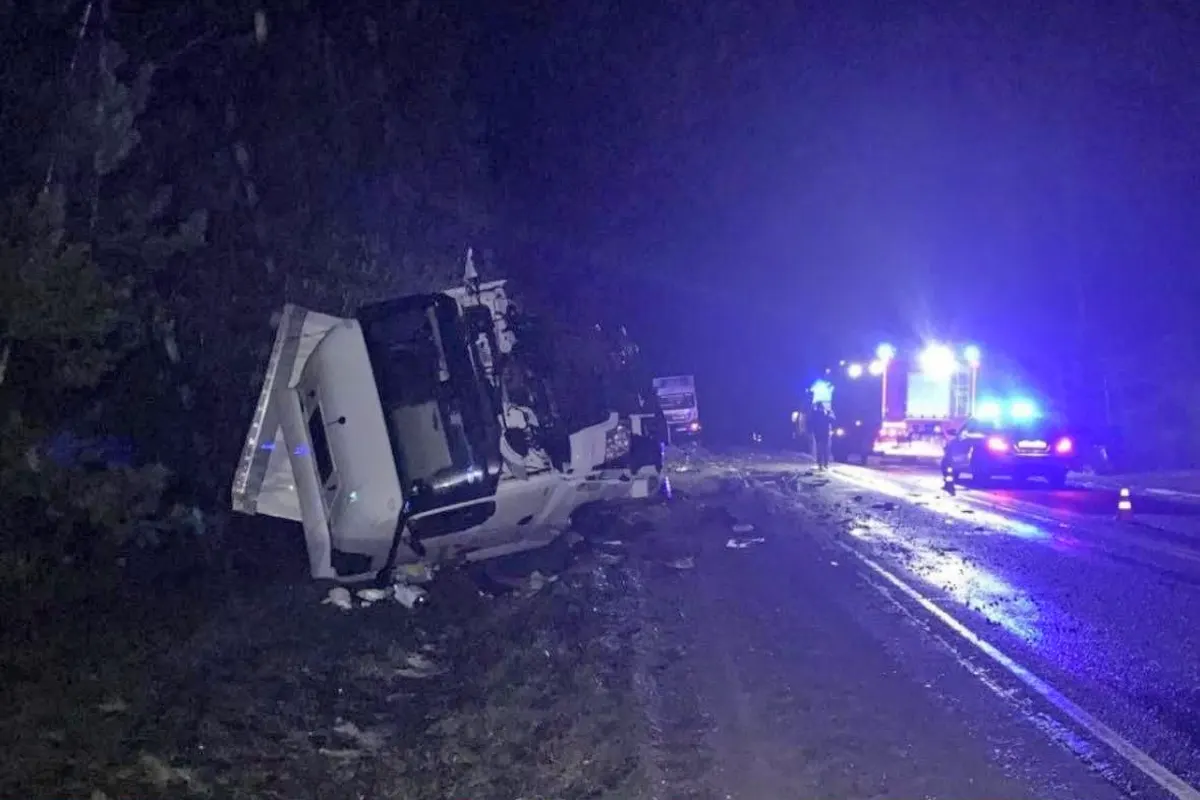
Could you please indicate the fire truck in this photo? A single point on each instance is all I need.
(925, 398)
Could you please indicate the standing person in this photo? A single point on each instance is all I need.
(821, 425)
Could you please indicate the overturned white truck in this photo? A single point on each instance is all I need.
(417, 431)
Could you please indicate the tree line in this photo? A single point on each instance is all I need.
(170, 178)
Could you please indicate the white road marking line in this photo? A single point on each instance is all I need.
(1168, 780)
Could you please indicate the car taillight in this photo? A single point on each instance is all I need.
(997, 444)
(1064, 446)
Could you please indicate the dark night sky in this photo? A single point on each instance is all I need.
(771, 186)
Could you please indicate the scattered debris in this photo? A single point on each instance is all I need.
(887, 506)
(367, 740)
(537, 581)
(344, 754)
(339, 596)
(418, 572)
(686, 562)
(113, 705)
(833, 563)
(858, 498)
(369, 596)
(162, 775)
(419, 666)
(410, 596)
(743, 527)
(742, 544)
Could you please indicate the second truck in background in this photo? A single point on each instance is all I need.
(677, 399)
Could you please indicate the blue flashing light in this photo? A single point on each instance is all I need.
(1023, 410)
(989, 410)
(822, 392)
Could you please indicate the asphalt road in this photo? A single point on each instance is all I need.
(1081, 625)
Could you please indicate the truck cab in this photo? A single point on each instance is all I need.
(417, 431)
(677, 399)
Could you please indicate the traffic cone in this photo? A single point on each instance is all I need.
(1124, 504)
(948, 480)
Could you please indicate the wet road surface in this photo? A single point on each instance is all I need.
(1093, 615)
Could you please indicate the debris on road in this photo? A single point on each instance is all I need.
(410, 596)
(743, 527)
(418, 572)
(742, 544)
(369, 596)
(339, 596)
(162, 775)
(419, 666)
(371, 740)
(114, 705)
(686, 562)
(537, 581)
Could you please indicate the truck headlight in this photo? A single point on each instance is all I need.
(840, 432)
(617, 442)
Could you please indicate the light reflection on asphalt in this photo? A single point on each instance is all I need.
(967, 583)
(958, 508)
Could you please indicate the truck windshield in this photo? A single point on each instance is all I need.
(442, 427)
(671, 402)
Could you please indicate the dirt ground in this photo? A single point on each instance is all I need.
(703, 647)
(492, 689)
